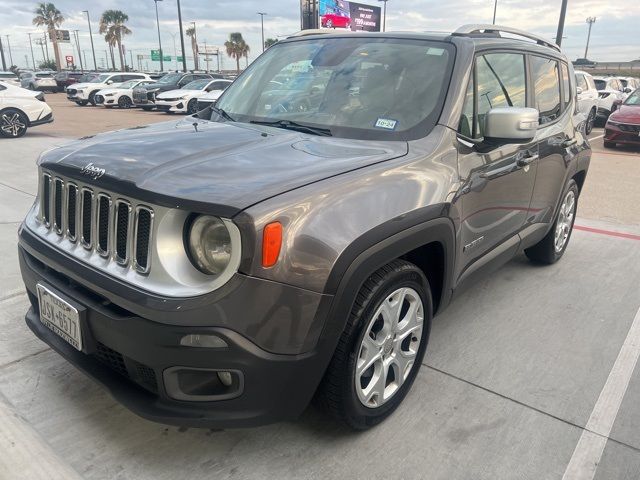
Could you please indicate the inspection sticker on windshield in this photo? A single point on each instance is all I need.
(386, 123)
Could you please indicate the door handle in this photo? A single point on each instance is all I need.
(527, 159)
(569, 143)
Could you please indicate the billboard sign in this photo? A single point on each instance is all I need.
(62, 36)
(349, 15)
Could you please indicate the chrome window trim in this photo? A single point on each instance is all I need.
(103, 252)
(69, 186)
(139, 268)
(88, 245)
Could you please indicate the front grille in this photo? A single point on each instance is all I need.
(140, 96)
(71, 91)
(113, 227)
(628, 127)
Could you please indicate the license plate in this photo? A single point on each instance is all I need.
(59, 316)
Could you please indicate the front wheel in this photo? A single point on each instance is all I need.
(382, 347)
(125, 102)
(192, 107)
(92, 98)
(591, 119)
(13, 123)
(551, 248)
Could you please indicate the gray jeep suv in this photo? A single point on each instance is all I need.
(224, 270)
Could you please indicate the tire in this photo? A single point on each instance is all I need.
(549, 250)
(13, 123)
(347, 391)
(82, 103)
(192, 107)
(125, 102)
(92, 98)
(591, 120)
(609, 144)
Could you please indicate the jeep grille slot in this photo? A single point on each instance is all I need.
(58, 189)
(119, 229)
(144, 220)
(72, 212)
(123, 210)
(104, 217)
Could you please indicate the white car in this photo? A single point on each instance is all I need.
(587, 98)
(39, 81)
(10, 78)
(185, 99)
(83, 93)
(630, 84)
(208, 99)
(21, 109)
(120, 96)
(610, 90)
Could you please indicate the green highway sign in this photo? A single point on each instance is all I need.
(155, 56)
(179, 58)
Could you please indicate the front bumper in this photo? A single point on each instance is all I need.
(48, 118)
(623, 133)
(177, 106)
(132, 354)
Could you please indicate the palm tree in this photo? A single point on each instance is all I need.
(47, 15)
(269, 42)
(191, 33)
(112, 23)
(237, 48)
(110, 38)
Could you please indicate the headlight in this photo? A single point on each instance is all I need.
(209, 243)
(109, 95)
(80, 90)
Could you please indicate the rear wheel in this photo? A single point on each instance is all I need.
(551, 248)
(125, 102)
(382, 347)
(92, 98)
(82, 103)
(13, 123)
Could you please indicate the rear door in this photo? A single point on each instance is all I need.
(553, 94)
(498, 181)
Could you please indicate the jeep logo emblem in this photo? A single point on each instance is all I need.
(92, 171)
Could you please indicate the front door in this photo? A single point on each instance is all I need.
(497, 182)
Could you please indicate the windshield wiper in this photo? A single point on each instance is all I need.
(222, 113)
(299, 127)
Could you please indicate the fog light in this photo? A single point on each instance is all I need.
(203, 341)
(225, 378)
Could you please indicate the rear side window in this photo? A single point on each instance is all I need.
(547, 88)
(566, 86)
(592, 84)
(582, 82)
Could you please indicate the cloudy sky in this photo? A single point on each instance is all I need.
(615, 35)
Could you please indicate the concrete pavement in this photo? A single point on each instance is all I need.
(514, 369)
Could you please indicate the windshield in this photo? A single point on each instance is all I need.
(170, 78)
(44, 75)
(600, 84)
(129, 84)
(196, 85)
(364, 87)
(7, 75)
(99, 79)
(633, 99)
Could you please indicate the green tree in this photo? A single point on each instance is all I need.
(47, 65)
(112, 25)
(191, 33)
(237, 48)
(48, 16)
(269, 42)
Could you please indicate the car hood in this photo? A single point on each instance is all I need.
(626, 113)
(176, 93)
(79, 86)
(108, 90)
(209, 167)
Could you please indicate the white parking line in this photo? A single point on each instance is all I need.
(596, 138)
(588, 451)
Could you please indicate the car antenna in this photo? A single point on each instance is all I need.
(195, 125)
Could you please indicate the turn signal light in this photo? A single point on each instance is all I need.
(271, 243)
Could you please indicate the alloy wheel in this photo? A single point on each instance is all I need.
(389, 347)
(13, 125)
(565, 221)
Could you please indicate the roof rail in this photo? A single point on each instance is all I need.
(472, 29)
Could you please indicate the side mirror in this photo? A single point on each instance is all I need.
(579, 91)
(627, 90)
(109, 82)
(510, 124)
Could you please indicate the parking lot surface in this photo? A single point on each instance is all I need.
(516, 367)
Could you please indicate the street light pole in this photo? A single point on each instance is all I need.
(79, 50)
(563, 14)
(495, 9)
(184, 56)
(590, 21)
(4, 63)
(33, 59)
(262, 14)
(159, 39)
(9, 48)
(384, 15)
(93, 50)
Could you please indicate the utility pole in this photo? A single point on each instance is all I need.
(563, 14)
(46, 44)
(33, 59)
(95, 64)
(77, 32)
(4, 62)
(184, 55)
(262, 14)
(9, 47)
(590, 21)
(384, 15)
(495, 10)
(159, 39)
